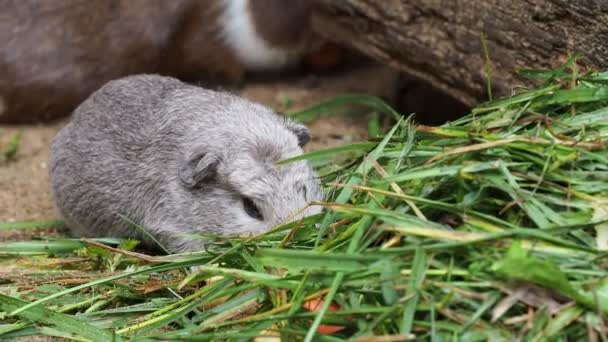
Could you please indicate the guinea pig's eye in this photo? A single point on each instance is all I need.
(251, 209)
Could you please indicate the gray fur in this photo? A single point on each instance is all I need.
(176, 158)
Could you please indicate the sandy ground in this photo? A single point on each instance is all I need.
(24, 194)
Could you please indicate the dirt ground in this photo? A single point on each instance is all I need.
(24, 191)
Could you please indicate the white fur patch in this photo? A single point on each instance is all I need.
(250, 48)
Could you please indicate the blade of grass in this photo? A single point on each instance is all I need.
(61, 321)
(413, 292)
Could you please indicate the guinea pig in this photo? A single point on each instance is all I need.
(176, 158)
(55, 53)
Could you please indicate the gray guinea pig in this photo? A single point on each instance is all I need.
(177, 158)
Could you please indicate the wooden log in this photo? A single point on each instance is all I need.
(439, 41)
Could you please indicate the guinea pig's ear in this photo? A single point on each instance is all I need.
(199, 166)
(299, 130)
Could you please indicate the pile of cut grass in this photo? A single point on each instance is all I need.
(487, 228)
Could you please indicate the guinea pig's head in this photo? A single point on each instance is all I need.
(253, 191)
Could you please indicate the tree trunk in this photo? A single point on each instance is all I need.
(439, 41)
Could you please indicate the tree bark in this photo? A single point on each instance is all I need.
(439, 41)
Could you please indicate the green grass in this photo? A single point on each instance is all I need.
(10, 151)
(490, 227)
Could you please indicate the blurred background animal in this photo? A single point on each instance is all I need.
(54, 53)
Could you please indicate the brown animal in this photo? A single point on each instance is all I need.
(54, 53)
